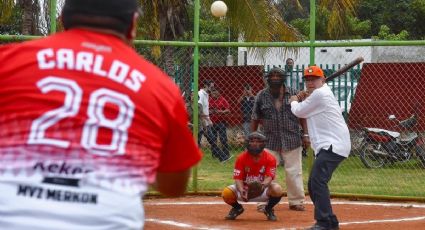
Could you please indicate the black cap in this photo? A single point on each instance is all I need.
(120, 10)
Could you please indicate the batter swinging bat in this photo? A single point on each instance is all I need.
(344, 69)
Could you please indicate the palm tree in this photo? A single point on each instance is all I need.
(6, 8)
(253, 20)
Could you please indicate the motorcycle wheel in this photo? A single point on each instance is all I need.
(369, 158)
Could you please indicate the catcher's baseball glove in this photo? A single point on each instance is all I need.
(255, 189)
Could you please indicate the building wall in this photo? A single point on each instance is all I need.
(334, 55)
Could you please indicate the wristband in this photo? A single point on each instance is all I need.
(306, 135)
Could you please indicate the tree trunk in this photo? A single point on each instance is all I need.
(27, 19)
(30, 13)
(169, 61)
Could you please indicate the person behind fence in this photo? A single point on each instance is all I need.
(293, 80)
(205, 121)
(190, 110)
(87, 125)
(254, 172)
(219, 113)
(282, 129)
(330, 140)
(247, 103)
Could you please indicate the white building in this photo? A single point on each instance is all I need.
(334, 55)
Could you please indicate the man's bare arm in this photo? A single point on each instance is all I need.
(172, 184)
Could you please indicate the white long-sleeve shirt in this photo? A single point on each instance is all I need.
(326, 125)
(204, 101)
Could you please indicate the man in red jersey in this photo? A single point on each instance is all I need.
(86, 125)
(219, 112)
(253, 165)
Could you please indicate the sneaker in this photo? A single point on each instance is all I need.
(318, 227)
(270, 214)
(298, 207)
(261, 207)
(234, 212)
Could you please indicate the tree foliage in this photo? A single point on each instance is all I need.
(385, 34)
(397, 15)
(417, 29)
(10, 19)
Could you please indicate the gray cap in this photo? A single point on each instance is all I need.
(276, 70)
(257, 135)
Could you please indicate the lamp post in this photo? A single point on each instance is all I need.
(229, 58)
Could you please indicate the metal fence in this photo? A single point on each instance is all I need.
(381, 164)
(368, 94)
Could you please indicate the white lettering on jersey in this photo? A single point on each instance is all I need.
(97, 47)
(97, 119)
(97, 69)
(42, 57)
(70, 107)
(65, 57)
(118, 71)
(88, 62)
(95, 113)
(84, 61)
(135, 81)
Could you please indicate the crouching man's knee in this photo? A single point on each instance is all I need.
(275, 190)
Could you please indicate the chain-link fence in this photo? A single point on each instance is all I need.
(382, 100)
(387, 156)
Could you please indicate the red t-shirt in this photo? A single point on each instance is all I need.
(86, 106)
(248, 170)
(218, 104)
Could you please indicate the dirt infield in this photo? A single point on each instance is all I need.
(208, 213)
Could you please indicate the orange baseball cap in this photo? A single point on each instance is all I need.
(313, 71)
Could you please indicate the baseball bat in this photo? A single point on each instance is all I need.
(344, 69)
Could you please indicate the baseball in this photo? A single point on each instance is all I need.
(218, 9)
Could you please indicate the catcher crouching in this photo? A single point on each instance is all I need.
(254, 172)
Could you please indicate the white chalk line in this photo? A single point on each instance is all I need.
(384, 204)
(189, 226)
(181, 225)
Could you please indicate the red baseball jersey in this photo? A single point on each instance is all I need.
(218, 104)
(85, 124)
(248, 170)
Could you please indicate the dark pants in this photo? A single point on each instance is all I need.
(324, 165)
(219, 130)
(210, 133)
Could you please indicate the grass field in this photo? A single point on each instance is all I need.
(351, 177)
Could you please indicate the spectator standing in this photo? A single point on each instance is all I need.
(282, 129)
(330, 140)
(246, 101)
(294, 81)
(189, 108)
(205, 121)
(219, 112)
(102, 124)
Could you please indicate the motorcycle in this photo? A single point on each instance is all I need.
(381, 147)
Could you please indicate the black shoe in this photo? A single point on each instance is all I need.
(318, 227)
(270, 214)
(234, 212)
